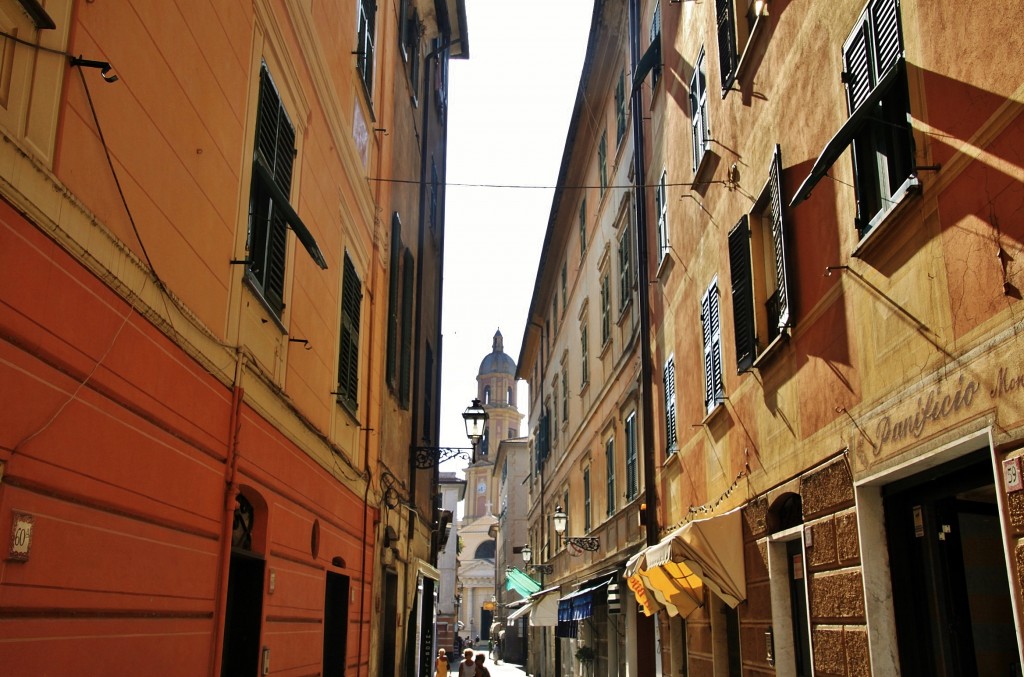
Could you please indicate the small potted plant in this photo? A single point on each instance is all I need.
(585, 654)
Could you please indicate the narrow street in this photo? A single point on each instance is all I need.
(501, 669)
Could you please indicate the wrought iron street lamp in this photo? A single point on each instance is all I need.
(527, 554)
(475, 418)
(583, 542)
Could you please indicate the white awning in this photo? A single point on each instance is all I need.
(544, 610)
(519, 613)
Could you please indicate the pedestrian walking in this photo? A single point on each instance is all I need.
(481, 671)
(441, 668)
(467, 668)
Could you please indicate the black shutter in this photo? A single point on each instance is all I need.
(671, 434)
(727, 56)
(742, 294)
(405, 362)
(706, 331)
(716, 343)
(348, 345)
(887, 40)
(779, 238)
(277, 253)
(394, 270)
(857, 62)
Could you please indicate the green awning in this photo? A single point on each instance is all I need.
(520, 582)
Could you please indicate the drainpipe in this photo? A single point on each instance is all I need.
(643, 282)
(227, 525)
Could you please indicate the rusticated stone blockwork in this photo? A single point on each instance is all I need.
(858, 659)
(1019, 556)
(755, 518)
(841, 651)
(829, 655)
(847, 538)
(828, 490)
(1015, 502)
(823, 552)
(837, 597)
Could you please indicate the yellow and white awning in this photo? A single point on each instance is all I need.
(672, 573)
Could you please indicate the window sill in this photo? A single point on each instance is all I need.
(605, 347)
(881, 224)
(664, 264)
(713, 414)
(704, 163)
(624, 311)
(755, 34)
(770, 351)
(254, 288)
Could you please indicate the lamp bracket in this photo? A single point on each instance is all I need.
(545, 569)
(588, 543)
(428, 457)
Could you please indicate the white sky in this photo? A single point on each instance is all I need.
(509, 109)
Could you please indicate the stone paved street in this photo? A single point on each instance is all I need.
(502, 669)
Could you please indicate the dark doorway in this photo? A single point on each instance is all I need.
(486, 618)
(389, 625)
(950, 589)
(645, 647)
(798, 607)
(243, 615)
(335, 624)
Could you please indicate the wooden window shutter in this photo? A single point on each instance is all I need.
(887, 38)
(873, 49)
(779, 238)
(857, 62)
(727, 57)
(348, 349)
(405, 364)
(712, 332)
(671, 433)
(742, 294)
(394, 278)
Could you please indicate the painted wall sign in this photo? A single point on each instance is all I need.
(21, 536)
(937, 405)
(949, 399)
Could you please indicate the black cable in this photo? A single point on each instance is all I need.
(117, 182)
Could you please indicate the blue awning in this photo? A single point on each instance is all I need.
(579, 605)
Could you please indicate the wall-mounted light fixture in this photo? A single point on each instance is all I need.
(475, 418)
(527, 554)
(560, 519)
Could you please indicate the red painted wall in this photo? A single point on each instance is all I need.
(115, 440)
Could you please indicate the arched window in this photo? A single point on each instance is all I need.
(487, 394)
(485, 550)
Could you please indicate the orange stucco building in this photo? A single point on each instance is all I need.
(828, 199)
(221, 233)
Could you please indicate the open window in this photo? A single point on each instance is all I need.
(878, 128)
(760, 284)
(270, 214)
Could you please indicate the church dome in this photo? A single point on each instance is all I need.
(497, 362)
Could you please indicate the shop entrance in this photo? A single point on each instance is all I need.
(951, 594)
